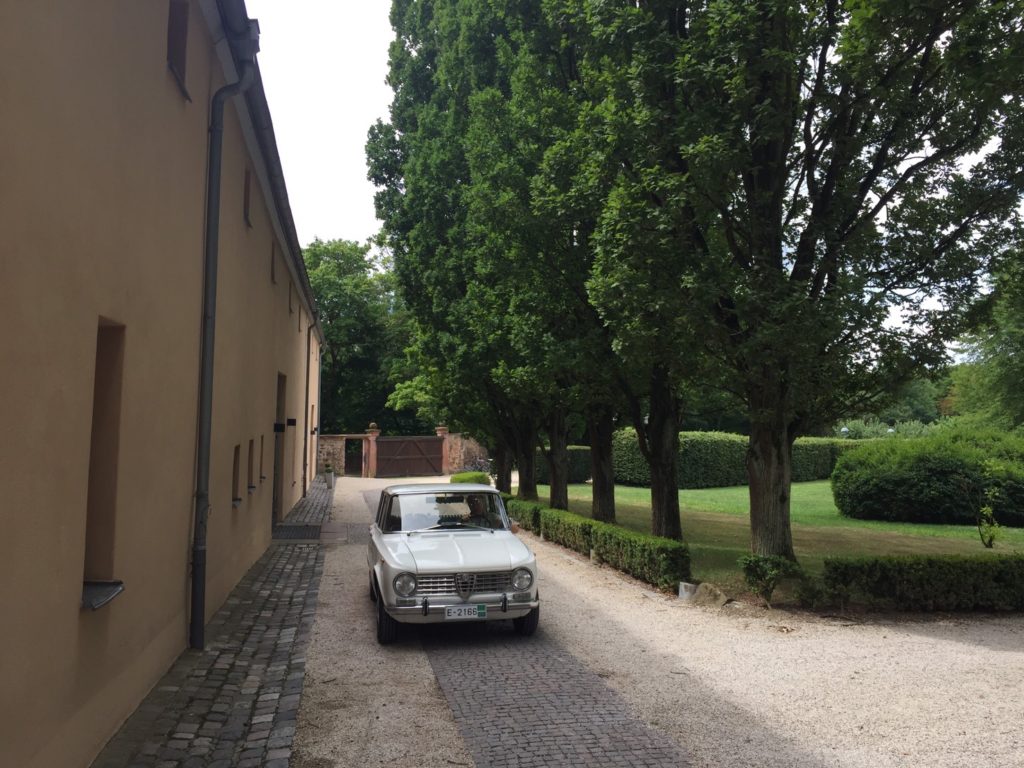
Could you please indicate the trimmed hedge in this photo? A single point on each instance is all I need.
(579, 465)
(716, 459)
(942, 478)
(930, 583)
(471, 477)
(658, 561)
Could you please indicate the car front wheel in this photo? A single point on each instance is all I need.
(527, 625)
(373, 589)
(387, 627)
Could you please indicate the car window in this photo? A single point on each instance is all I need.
(416, 512)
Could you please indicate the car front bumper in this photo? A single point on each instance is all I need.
(431, 610)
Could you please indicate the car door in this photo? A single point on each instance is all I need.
(373, 547)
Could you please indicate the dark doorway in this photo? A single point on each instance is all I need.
(276, 512)
(354, 458)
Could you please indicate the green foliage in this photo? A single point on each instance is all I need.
(579, 465)
(867, 429)
(471, 477)
(658, 561)
(988, 387)
(916, 583)
(943, 479)
(365, 329)
(717, 459)
(916, 402)
(763, 574)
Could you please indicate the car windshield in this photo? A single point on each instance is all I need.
(417, 512)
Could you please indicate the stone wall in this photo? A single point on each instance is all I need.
(463, 452)
(331, 451)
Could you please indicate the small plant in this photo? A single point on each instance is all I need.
(988, 528)
(329, 469)
(763, 573)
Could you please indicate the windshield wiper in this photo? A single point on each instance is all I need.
(443, 526)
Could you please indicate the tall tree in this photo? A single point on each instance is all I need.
(803, 174)
(365, 331)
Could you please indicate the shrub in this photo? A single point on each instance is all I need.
(658, 561)
(472, 477)
(763, 574)
(716, 459)
(863, 429)
(579, 465)
(930, 583)
(943, 478)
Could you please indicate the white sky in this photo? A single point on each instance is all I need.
(323, 64)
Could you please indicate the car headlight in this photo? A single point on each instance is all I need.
(405, 584)
(522, 579)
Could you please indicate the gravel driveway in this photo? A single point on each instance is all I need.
(736, 686)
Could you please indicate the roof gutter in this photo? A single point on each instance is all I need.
(197, 612)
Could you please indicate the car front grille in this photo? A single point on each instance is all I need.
(444, 583)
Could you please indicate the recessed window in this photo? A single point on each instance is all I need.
(236, 497)
(177, 42)
(247, 198)
(252, 479)
(104, 443)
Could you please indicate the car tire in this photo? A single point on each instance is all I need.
(387, 627)
(373, 589)
(527, 625)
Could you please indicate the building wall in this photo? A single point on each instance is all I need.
(102, 213)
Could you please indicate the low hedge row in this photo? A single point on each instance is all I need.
(942, 478)
(579, 465)
(929, 583)
(716, 459)
(661, 562)
(471, 477)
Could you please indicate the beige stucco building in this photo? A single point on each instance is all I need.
(105, 113)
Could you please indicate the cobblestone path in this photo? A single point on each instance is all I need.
(236, 702)
(527, 703)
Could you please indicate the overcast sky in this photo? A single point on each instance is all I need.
(323, 64)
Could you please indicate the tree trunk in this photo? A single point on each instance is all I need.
(526, 458)
(558, 460)
(660, 445)
(600, 429)
(527, 474)
(769, 471)
(503, 469)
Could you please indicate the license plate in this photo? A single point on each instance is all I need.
(465, 612)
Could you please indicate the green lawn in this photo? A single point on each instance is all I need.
(716, 526)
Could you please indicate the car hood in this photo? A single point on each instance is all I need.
(449, 551)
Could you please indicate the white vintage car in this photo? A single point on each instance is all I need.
(447, 553)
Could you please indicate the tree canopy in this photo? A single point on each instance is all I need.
(629, 203)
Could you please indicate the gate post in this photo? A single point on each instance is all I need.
(446, 464)
(371, 442)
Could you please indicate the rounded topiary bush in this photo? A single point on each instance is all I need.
(938, 479)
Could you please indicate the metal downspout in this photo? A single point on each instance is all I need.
(305, 417)
(197, 614)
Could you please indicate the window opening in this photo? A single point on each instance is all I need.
(177, 42)
(101, 498)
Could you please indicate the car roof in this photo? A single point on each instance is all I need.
(414, 488)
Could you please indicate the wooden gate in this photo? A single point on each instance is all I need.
(409, 456)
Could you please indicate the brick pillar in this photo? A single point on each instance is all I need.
(370, 450)
(446, 462)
